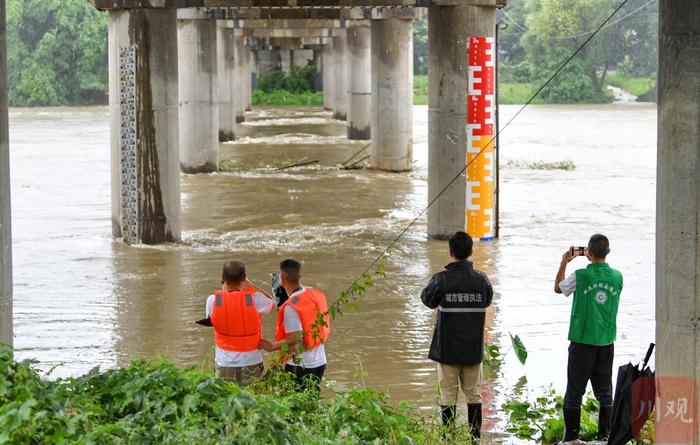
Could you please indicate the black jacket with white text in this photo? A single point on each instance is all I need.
(461, 295)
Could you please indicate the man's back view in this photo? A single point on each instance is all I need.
(461, 295)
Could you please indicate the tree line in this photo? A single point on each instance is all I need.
(536, 36)
(57, 53)
(57, 49)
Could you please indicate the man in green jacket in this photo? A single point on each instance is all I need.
(592, 332)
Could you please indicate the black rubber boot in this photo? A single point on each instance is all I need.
(604, 418)
(474, 415)
(448, 415)
(572, 423)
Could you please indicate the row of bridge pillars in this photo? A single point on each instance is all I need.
(193, 86)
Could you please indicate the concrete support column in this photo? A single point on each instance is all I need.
(392, 94)
(678, 218)
(5, 210)
(286, 60)
(199, 111)
(448, 30)
(328, 73)
(340, 74)
(240, 74)
(248, 77)
(225, 66)
(154, 33)
(318, 63)
(360, 80)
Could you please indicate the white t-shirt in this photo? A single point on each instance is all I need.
(233, 359)
(568, 286)
(313, 358)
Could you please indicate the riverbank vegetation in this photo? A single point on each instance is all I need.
(159, 403)
(56, 53)
(539, 417)
(293, 88)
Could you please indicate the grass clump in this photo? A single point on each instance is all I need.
(638, 86)
(284, 97)
(541, 165)
(159, 403)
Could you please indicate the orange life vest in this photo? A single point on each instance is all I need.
(237, 323)
(308, 304)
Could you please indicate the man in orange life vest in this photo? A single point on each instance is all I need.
(235, 313)
(298, 329)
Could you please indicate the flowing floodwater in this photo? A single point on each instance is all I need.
(84, 300)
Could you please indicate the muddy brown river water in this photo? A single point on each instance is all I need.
(84, 300)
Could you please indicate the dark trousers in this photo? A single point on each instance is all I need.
(594, 363)
(307, 378)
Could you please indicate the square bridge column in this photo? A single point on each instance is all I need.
(225, 66)
(199, 110)
(328, 74)
(359, 79)
(449, 29)
(143, 103)
(5, 210)
(340, 74)
(392, 94)
(241, 73)
(678, 221)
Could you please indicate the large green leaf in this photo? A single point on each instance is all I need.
(519, 348)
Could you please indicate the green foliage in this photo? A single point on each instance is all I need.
(284, 97)
(57, 53)
(639, 86)
(299, 80)
(536, 36)
(420, 90)
(516, 93)
(159, 403)
(295, 88)
(541, 418)
(519, 348)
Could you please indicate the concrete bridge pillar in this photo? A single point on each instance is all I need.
(328, 76)
(448, 30)
(318, 63)
(360, 80)
(392, 94)
(145, 160)
(340, 74)
(5, 211)
(241, 75)
(248, 77)
(225, 66)
(199, 111)
(678, 219)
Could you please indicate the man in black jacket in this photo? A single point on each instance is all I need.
(461, 295)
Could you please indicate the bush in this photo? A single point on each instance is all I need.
(574, 85)
(298, 81)
(159, 403)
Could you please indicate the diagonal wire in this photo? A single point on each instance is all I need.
(458, 175)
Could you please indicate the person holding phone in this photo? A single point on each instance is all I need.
(235, 313)
(592, 332)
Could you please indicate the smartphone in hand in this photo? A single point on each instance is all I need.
(577, 251)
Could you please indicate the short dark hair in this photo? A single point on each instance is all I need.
(234, 272)
(599, 246)
(461, 245)
(291, 269)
